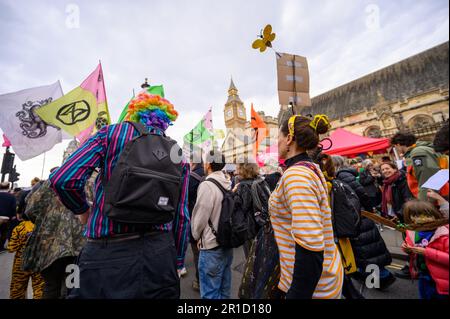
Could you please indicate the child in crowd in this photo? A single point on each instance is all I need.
(20, 278)
(428, 250)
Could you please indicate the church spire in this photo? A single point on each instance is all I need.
(232, 86)
(233, 93)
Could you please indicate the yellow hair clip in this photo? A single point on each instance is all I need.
(291, 126)
(315, 122)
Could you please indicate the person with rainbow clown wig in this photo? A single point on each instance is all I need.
(125, 260)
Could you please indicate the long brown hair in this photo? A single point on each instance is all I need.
(326, 165)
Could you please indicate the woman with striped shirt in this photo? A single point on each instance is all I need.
(301, 216)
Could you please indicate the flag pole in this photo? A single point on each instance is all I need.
(295, 83)
(43, 165)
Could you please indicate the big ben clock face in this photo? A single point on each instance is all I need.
(241, 113)
(229, 114)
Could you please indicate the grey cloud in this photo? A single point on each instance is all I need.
(193, 47)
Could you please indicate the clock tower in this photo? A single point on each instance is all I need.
(234, 112)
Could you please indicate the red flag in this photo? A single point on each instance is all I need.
(257, 124)
(6, 142)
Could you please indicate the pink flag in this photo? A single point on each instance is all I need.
(95, 84)
(6, 142)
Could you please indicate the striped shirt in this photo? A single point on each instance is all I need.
(103, 150)
(300, 213)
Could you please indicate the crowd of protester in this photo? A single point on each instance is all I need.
(128, 228)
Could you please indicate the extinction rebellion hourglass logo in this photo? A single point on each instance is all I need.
(74, 112)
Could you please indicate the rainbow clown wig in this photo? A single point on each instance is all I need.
(151, 110)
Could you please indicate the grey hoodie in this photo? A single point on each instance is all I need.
(208, 206)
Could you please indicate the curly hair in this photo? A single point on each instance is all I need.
(248, 170)
(404, 139)
(151, 110)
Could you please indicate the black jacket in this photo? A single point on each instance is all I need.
(272, 180)
(21, 201)
(243, 201)
(371, 186)
(348, 176)
(369, 247)
(193, 187)
(400, 195)
(7, 205)
(369, 183)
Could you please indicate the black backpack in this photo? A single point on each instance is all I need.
(232, 230)
(346, 209)
(145, 185)
(260, 196)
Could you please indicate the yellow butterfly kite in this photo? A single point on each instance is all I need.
(266, 38)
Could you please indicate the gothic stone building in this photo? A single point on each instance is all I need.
(238, 140)
(411, 95)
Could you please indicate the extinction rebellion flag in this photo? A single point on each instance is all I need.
(82, 110)
(29, 135)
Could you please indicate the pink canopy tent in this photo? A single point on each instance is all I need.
(349, 144)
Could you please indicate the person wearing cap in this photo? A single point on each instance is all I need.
(125, 260)
(421, 160)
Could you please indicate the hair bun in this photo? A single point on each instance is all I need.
(321, 124)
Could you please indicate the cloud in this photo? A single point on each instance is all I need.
(194, 47)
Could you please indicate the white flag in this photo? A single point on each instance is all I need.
(29, 135)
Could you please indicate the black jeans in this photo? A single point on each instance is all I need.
(3, 235)
(139, 268)
(55, 278)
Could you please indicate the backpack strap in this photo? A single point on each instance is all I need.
(196, 176)
(140, 128)
(254, 190)
(334, 185)
(222, 189)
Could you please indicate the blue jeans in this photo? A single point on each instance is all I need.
(214, 267)
(427, 288)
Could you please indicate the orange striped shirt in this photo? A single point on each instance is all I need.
(300, 213)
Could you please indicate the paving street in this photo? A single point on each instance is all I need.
(401, 289)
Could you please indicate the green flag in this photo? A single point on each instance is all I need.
(155, 90)
(202, 132)
(198, 135)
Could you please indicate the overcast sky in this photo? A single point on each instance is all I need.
(194, 47)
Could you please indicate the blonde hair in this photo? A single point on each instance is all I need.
(248, 170)
(35, 180)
